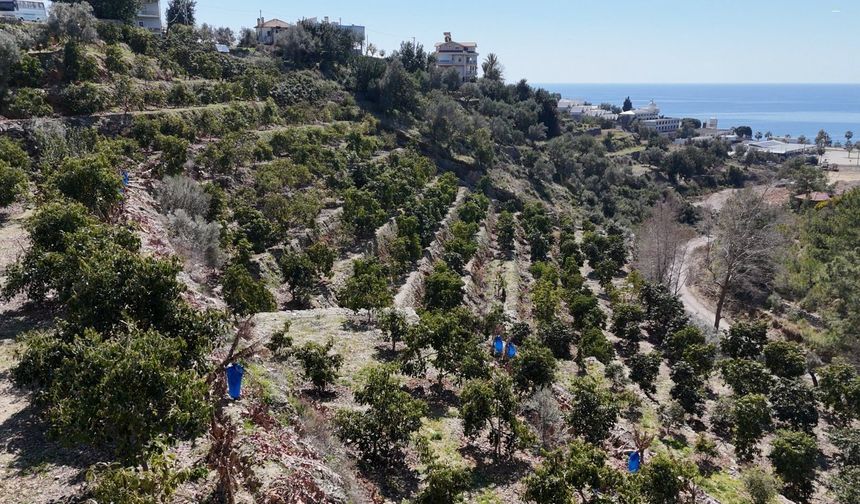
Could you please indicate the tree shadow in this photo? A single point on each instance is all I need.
(384, 353)
(392, 476)
(23, 318)
(490, 469)
(439, 399)
(25, 437)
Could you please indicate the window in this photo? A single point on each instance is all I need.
(7, 6)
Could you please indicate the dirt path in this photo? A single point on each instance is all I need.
(696, 304)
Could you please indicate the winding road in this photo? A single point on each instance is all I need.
(698, 306)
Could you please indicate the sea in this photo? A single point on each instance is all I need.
(782, 109)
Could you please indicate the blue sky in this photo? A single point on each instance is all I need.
(629, 41)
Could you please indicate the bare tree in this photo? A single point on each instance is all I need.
(661, 243)
(743, 243)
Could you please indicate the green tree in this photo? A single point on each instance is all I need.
(319, 364)
(444, 483)
(593, 410)
(244, 295)
(759, 485)
(557, 336)
(13, 183)
(391, 417)
(794, 457)
(507, 231)
(593, 343)
(180, 12)
(626, 320)
(665, 478)
(123, 10)
(443, 288)
(90, 180)
(534, 367)
(688, 388)
(746, 376)
(795, 404)
(752, 420)
(840, 391)
(362, 212)
(628, 105)
(453, 337)
(367, 288)
(493, 69)
(644, 369)
(491, 404)
(785, 359)
(301, 274)
(580, 470)
(394, 326)
(745, 340)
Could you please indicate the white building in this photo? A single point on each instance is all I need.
(149, 16)
(663, 125)
(268, 31)
(461, 56)
(782, 148)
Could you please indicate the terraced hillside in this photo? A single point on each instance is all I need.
(356, 233)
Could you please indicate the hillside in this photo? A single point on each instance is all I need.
(358, 233)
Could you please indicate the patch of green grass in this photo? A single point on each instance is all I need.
(442, 441)
(259, 379)
(488, 496)
(725, 488)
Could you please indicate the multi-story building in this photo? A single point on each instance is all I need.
(461, 56)
(663, 125)
(149, 16)
(268, 31)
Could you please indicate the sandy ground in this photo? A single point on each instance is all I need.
(849, 168)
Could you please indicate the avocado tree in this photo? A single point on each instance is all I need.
(794, 457)
(390, 418)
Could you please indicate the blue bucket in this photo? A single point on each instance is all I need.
(235, 372)
(498, 346)
(634, 462)
(512, 350)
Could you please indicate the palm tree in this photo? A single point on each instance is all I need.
(492, 67)
(848, 136)
(758, 135)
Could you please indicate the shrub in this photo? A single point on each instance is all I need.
(28, 72)
(157, 482)
(362, 212)
(593, 411)
(115, 59)
(179, 95)
(73, 21)
(13, 183)
(534, 367)
(794, 457)
(244, 295)
(759, 485)
(90, 180)
(138, 387)
(83, 99)
(12, 153)
(320, 367)
(181, 192)
(174, 153)
(26, 103)
(785, 359)
(197, 239)
(388, 422)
